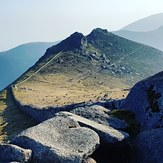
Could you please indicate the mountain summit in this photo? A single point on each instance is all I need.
(82, 68)
(71, 43)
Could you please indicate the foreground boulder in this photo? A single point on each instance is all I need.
(13, 153)
(148, 146)
(146, 101)
(107, 134)
(59, 139)
(100, 115)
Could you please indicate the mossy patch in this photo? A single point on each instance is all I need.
(128, 117)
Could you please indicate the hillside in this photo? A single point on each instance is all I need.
(151, 38)
(82, 68)
(149, 23)
(16, 61)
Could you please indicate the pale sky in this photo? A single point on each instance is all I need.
(23, 21)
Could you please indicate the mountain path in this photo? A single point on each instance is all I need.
(55, 57)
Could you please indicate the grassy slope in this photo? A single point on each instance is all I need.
(75, 80)
(59, 89)
(12, 120)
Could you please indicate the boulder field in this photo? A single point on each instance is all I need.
(68, 137)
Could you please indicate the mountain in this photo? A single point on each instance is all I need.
(16, 61)
(73, 73)
(149, 23)
(82, 68)
(151, 38)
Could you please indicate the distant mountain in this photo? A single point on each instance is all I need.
(16, 61)
(84, 67)
(149, 23)
(151, 38)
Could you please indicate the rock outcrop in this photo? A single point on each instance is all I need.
(73, 42)
(13, 153)
(145, 100)
(148, 146)
(100, 115)
(107, 134)
(59, 139)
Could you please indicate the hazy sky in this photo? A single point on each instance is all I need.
(23, 21)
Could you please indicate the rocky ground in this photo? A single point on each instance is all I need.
(68, 137)
(94, 133)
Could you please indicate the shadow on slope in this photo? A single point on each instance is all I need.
(12, 120)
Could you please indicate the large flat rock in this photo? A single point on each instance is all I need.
(107, 134)
(59, 139)
(13, 153)
(100, 115)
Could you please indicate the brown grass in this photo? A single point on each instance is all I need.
(59, 89)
